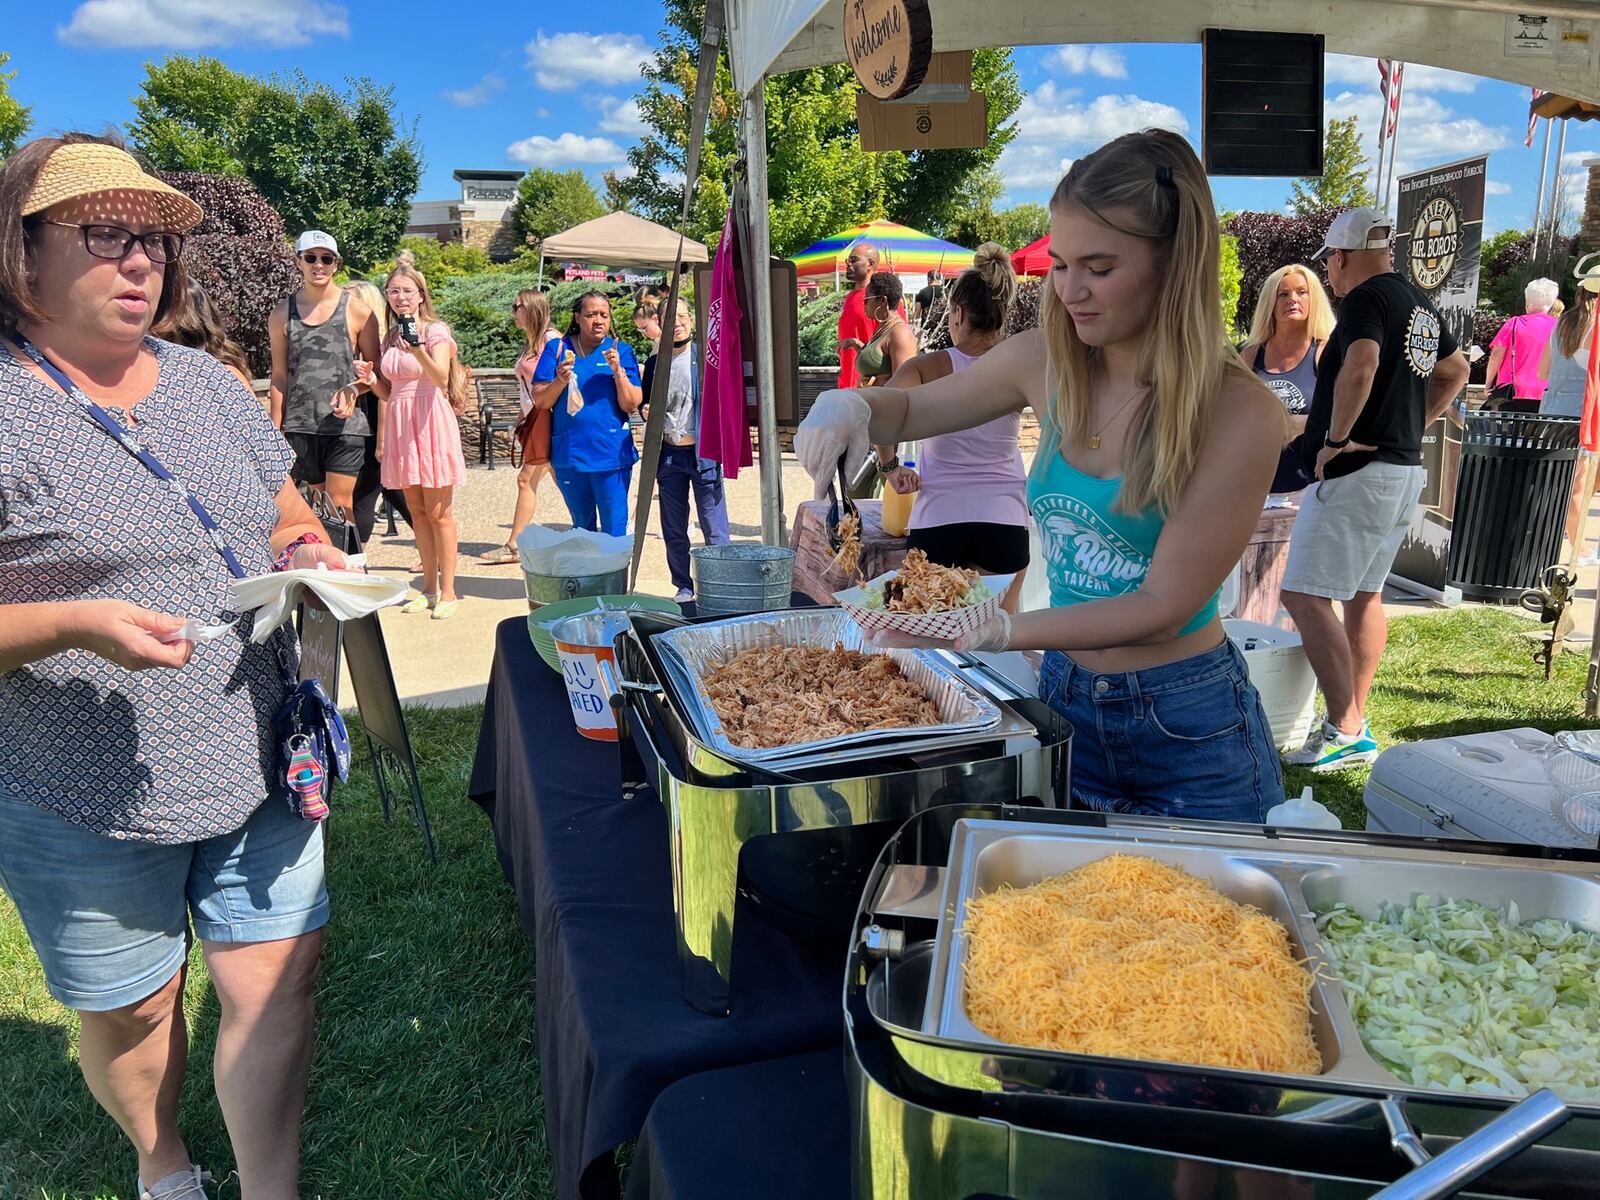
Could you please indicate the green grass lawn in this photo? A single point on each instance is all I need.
(426, 1082)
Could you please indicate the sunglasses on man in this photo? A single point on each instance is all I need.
(319, 260)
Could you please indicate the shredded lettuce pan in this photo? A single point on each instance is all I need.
(1454, 994)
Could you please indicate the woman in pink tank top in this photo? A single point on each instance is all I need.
(971, 508)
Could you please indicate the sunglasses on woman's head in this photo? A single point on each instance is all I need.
(314, 260)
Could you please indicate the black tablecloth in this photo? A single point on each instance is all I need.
(777, 1130)
(593, 884)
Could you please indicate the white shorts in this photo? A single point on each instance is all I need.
(1350, 529)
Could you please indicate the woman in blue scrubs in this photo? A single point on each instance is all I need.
(591, 445)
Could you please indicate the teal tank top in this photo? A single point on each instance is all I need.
(1091, 551)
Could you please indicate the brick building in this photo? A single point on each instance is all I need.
(480, 216)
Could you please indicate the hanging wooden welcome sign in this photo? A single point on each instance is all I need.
(888, 44)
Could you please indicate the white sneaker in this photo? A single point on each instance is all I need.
(180, 1185)
(1329, 750)
(683, 596)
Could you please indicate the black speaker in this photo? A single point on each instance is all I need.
(1262, 103)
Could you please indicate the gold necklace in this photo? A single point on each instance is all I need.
(1094, 438)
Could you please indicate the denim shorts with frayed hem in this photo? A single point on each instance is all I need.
(109, 918)
(1185, 739)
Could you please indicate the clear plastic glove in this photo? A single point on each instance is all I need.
(836, 425)
(993, 635)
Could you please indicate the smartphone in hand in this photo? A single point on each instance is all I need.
(409, 333)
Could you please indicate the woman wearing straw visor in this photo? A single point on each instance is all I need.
(1156, 448)
(142, 794)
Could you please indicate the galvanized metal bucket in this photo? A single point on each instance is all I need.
(742, 577)
(547, 589)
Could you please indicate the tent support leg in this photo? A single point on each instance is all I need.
(760, 265)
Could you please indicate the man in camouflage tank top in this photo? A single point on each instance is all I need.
(328, 416)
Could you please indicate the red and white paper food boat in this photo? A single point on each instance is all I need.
(942, 626)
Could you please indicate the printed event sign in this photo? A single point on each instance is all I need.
(1438, 247)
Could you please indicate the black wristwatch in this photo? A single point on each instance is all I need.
(886, 467)
(1335, 445)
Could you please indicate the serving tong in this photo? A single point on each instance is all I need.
(840, 505)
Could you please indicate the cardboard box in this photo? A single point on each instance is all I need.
(944, 113)
(900, 125)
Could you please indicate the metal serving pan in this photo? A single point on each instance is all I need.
(694, 651)
(1287, 878)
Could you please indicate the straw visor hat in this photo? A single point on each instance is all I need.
(87, 168)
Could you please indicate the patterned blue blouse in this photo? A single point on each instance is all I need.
(155, 756)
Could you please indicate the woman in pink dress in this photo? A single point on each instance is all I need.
(421, 440)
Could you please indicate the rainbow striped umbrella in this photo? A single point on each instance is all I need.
(901, 249)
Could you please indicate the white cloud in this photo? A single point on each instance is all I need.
(622, 116)
(562, 61)
(1091, 60)
(1494, 187)
(1349, 68)
(1575, 183)
(1430, 133)
(1029, 166)
(541, 114)
(193, 24)
(479, 93)
(568, 150)
(1051, 116)
(1054, 122)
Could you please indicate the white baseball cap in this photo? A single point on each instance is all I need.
(315, 239)
(1358, 229)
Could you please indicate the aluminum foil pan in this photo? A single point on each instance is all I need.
(694, 651)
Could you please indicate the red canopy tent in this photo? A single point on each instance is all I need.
(1033, 259)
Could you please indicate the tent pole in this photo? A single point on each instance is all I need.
(541, 266)
(760, 267)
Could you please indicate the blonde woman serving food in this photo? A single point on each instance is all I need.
(1157, 445)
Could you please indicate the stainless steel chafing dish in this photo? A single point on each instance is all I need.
(802, 833)
(941, 1109)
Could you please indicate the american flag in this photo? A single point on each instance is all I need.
(1391, 74)
(1533, 117)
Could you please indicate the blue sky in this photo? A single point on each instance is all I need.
(493, 84)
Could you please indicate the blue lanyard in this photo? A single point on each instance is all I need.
(135, 447)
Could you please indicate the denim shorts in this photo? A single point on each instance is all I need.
(109, 918)
(1186, 739)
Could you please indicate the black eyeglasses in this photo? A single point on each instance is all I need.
(114, 242)
(312, 260)
(516, 306)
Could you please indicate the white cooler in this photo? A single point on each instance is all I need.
(1282, 674)
(1485, 786)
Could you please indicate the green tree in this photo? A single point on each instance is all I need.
(1023, 224)
(15, 117)
(1230, 279)
(551, 201)
(1345, 172)
(325, 158)
(436, 260)
(819, 178)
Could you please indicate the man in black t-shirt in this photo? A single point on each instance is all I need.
(924, 301)
(1389, 370)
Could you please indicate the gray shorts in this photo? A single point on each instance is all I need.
(1350, 529)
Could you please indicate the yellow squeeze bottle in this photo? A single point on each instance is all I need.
(897, 508)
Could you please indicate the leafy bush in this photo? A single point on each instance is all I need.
(437, 260)
(1231, 275)
(1266, 241)
(478, 310)
(240, 255)
(818, 320)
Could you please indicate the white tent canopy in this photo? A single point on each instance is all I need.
(621, 239)
(771, 37)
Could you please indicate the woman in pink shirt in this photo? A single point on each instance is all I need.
(1518, 349)
(971, 508)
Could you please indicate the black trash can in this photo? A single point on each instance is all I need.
(1511, 501)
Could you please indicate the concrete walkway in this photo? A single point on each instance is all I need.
(447, 662)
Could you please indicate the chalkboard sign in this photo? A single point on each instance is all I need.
(321, 635)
